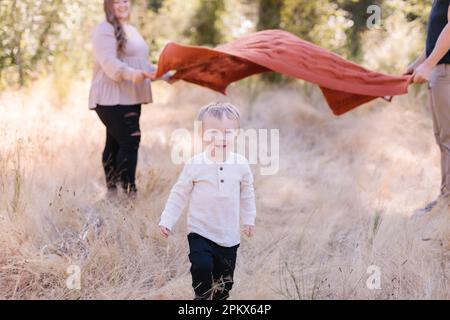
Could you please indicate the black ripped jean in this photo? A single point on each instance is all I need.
(123, 136)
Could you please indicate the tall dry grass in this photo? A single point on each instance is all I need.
(340, 203)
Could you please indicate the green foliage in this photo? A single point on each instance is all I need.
(357, 10)
(171, 21)
(39, 37)
(320, 22)
(206, 27)
(154, 5)
(269, 14)
(416, 10)
(34, 32)
(391, 48)
(269, 17)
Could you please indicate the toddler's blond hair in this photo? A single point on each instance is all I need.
(218, 110)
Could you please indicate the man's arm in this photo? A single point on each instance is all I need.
(423, 72)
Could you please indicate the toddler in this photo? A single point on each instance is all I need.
(218, 185)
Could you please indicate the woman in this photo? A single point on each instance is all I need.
(121, 83)
(433, 66)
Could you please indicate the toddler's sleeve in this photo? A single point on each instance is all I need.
(248, 207)
(104, 45)
(178, 198)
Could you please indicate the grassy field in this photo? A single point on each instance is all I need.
(341, 202)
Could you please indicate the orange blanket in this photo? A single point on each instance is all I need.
(344, 84)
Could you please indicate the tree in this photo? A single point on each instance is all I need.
(269, 14)
(206, 27)
(154, 5)
(357, 10)
(269, 17)
(320, 22)
(33, 33)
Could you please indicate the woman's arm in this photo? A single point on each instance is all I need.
(423, 72)
(105, 52)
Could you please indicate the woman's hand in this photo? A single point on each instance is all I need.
(248, 230)
(139, 75)
(166, 77)
(423, 72)
(164, 231)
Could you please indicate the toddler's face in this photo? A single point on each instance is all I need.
(220, 133)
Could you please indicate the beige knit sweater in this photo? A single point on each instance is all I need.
(111, 81)
(218, 195)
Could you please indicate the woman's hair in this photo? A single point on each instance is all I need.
(218, 110)
(119, 32)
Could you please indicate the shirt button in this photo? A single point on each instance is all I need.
(221, 168)
(222, 181)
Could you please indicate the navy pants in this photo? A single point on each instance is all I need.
(123, 136)
(212, 268)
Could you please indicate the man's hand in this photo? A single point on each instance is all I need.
(413, 65)
(248, 230)
(164, 231)
(411, 68)
(423, 72)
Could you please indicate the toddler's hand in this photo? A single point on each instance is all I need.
(164, 231)
(248, 230)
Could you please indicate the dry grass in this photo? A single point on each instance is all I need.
(340, 203)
